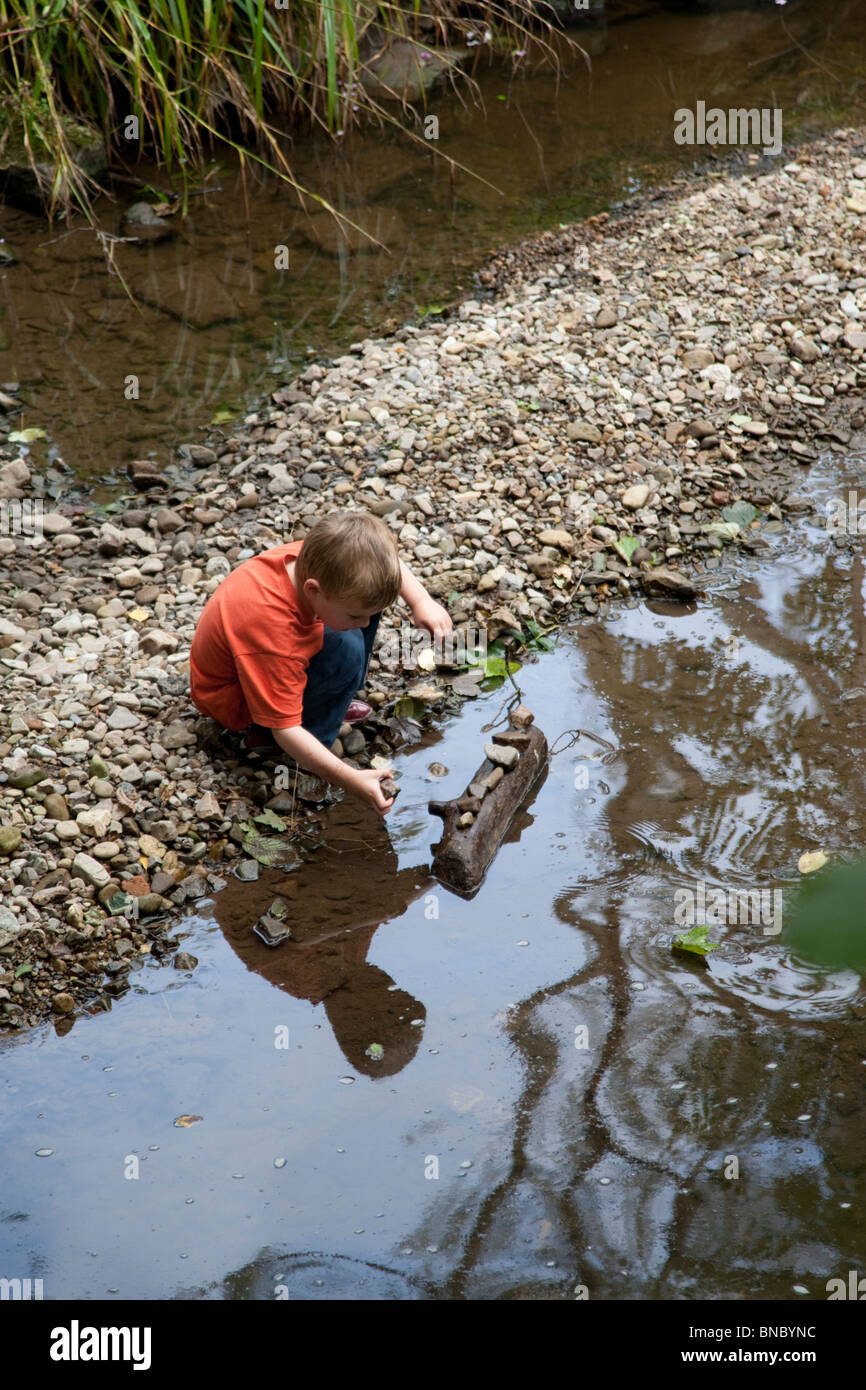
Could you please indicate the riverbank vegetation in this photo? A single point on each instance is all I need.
(171, 78)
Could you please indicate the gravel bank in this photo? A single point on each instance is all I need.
(568, 439)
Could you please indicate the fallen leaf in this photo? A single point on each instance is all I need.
(812, 860)
(184, 1121)
(139, 615)
(825, 917)
(626, 547)
(26, 436)
(695, 941)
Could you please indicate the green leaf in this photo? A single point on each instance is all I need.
(431, 309)
(541, 644)
(498, 666)
(270, 818)
(532, 628)
(695, 941)
(375, 1051)
(825, 916)
(26, 436)
(741, 513)
(23, 970)
(223, 416)
(626, 547)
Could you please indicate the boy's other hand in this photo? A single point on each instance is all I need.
(365, 785)
(432, 616)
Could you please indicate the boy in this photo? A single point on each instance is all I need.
(285, 640)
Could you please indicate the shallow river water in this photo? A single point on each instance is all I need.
(215, 323)
(561, 1102)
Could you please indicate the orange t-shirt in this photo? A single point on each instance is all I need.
(252, 646)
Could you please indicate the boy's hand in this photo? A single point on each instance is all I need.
(431, 615)
(365, 785)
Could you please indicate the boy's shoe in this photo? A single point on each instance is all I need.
(358, 710)
(258, 739)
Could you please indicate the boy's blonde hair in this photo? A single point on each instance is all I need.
(352, 555)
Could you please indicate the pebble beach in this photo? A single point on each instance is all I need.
(620, 407)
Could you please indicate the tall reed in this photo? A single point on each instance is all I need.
(195, 71)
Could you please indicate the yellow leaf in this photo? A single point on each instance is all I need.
(184, 1121)
(808, 863)
(139, 615)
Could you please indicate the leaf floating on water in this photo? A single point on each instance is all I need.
(825, 917)
(812, 860)
(271, 850)
(376, 1051)
(184, 1121)
(26, 436)
(695, 942)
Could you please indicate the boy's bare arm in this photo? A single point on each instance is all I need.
(425, 610)
(306, 749)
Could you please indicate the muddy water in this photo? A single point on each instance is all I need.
(561, 1100)
(215, 324)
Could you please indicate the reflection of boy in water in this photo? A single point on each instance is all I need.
(337, 899)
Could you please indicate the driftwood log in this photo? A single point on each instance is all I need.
(475, 824)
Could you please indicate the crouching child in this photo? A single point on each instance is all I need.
(284, 642)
